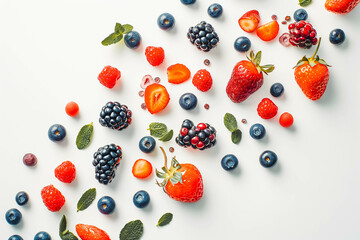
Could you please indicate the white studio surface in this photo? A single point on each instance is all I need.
(51, 53)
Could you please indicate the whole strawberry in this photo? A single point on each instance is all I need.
(182, 182)
(65, 172)
(52, 198)
(312, 75)
(89, 232)
(246, 78)
(341, 6)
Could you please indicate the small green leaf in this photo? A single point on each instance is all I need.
(230, 122)
(84, 136)
(304, 3)
(165, 219)
(257, 59)
(167, 137)
(69, 236)
(236, 136)
(112, 38)
(127, 28)
(157, 129)
(132, 230)
(62, 226)
(86, 199)
(119, 28)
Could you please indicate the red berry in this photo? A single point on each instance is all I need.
(267, 109)
(142, 168)
(200, 145)
(202, 126)
(72, 109)
(211, 137)
(30, 159)
(286, 119)
(302, 35)
(195, 140)
(154, 55)
(89, 232)
(202, 80)
(291, 26)
(52, 198)
(65, 172)
(184, 131)
(109, 76)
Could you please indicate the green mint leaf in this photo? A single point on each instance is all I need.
(112, 38)
(167, 137)
(165, 219)
(119, 28)
(236, 136)
(86, 199)
(62, 226)
(132, 230)
(127, 28)
(84, 136)
(69, 236)
(157, 130)
(304, 3)
(230, 122)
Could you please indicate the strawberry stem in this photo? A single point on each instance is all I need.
(163, 151)
(317, 49)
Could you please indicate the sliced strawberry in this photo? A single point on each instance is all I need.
(268, 31)
(156, 98)
(178, 73)
(249, 21)
(142, 168)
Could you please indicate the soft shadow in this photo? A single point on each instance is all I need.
(276, 169)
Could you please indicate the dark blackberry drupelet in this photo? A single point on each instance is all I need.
(115, 116)
(106, 160)
(201, 137)
(203, 36)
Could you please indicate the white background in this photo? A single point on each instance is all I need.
(50, 54)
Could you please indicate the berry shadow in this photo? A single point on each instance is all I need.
(20, 225)
(276, 169)
(148, 209)
(113, 216)
(329, 97)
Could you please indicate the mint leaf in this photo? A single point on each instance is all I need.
(127, 28)
(165, 219)
(132, 230)
(84, 136)
(157, 130)
(112, 38)
(236, 136)
(304, 3)
(167, 137)
(65, 234)
(230, 122)
(69, 236)
(86, 199)
(119, 28)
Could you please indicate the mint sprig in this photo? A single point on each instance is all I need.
(63, 232)
(118, 34)
(159, 130)
(231, 124)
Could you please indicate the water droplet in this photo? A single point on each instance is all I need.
(244, 120)
(274, 17)
(206, 106)
(146, 81)
(157, 80)
(284, 22)
(207, 62)
(287, 18)
(143, 106)
(141, 93)
(171, 149)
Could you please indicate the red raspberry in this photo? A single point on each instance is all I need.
(52, 198)
(154, 55)
(108, 76)
(286, 119)
(202, 80)
(65, 172)
(267, 109)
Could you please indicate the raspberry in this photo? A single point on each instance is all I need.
(286, 120)
(108, 76)
(72, 109)
(202, 80)
(52, 198)
(267, 109)
(154, 55)
(65, 172)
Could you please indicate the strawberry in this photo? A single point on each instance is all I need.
(267, 109)
(246, 78)
(89, 232)
(312, 75)
(249, 21)
(154, 55)
(142, 168)
(178, 73)
(202, 80)
(268, 31)
(182, 182)
(341, 6)
(156, 98)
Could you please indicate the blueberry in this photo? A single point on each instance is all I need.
(215, 10)
(188, 101)
(257, 131)
(106, 205)
(147, 144)
(242, 44)
(132, 40)
(21, 198)
(13, 216)
(337, 36)
(15, 237)
(42, 236)
(187, 2)
(277, 89)
(141, 199)
(229, 162)
(300, 15)
(166, 21)
(268, 159)
(56, 132)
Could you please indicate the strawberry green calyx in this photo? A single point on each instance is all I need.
(256, 59)
(313, 60)
(173, 174)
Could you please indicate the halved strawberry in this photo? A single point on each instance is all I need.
(142, 168)
(249, 21)
(268, 31)
(178, 73)
(156, 98)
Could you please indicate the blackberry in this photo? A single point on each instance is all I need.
(115, 116)
(106, 160)
(201, 137)
(203, 36)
